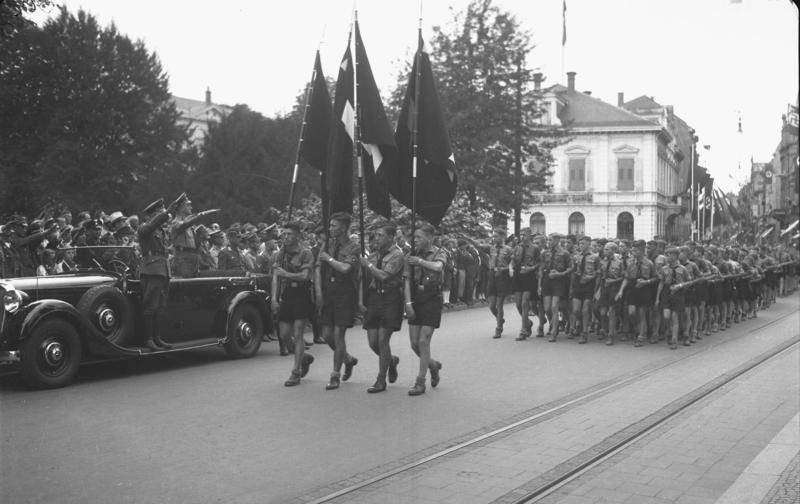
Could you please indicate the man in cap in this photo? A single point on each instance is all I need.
(291, 297)
(217, 239)
(206, 260)
(639, 277)
(384, 271)
(671, 292)
(154, 272)
(336, 278)
(587, 268)
(524, 264)
(499, 279)
(231, 258)
(186, 260)
(554, 282)
(608, 295)
(423, 273)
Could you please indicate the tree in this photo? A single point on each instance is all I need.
(246, 165)
(12, 15)
(88, 120)
(492, 108)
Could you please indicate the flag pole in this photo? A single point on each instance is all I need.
(415, 131)
(357, 137)
(306, 106)
(691, 191)
(713, 204)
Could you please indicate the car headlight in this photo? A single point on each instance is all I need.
(12, 300)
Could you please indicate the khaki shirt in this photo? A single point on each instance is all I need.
(424, 276)
(391, 261)
(673, 275)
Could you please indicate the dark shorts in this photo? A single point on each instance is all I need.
(673, 302)
(499, 286)
(427, 309)
(744, 289)
(772, 279)
(641, 297)
(339, 308)
(555, 286)
(524, 282)
(583, 291)
(607, 295)
(726, 291)
(384, 311)
(155, 290)
(702, 290)
(690, 295)
(296, 303)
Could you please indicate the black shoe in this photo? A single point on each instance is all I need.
(435, 374)
(418, 388)
(306, 363)
(583, 339)
(393, 368)
(294, 379)
(379, 386)
(284, 352)
(333, 383)
(348, 368)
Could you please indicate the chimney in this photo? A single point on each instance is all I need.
(571, 81)
(537, 81)
(208, 96)
(620, 99)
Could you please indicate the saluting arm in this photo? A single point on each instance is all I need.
(156, 222)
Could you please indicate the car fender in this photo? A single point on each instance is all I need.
(38, 311)
(258, 299)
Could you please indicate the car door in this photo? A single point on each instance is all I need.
(192, 306)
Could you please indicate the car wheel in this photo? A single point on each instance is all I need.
(109, 311)
(51, 355)
(244, 332)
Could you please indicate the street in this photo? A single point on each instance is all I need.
(202, 428)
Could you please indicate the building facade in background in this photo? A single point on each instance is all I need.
(619, 175)
(197, 115)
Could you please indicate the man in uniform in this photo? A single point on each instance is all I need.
(231, 258)
(336, 276)
(291, 297)
(186, 258)
(692, 298)
(674, 302)
(556, 268)
(609, 291)
(524, 263)
(423, 295)
(638, 278)
(154, 272)
(384, 269)
(499, 280)
(655, 252)
(583, 288)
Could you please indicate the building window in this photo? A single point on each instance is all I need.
(577, 224)
(577, 174)
(538, 224)
(625, 174)
(625, 226)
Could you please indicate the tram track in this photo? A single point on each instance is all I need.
(569, 470)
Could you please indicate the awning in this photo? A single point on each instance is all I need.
(794, 225)
(767, 232)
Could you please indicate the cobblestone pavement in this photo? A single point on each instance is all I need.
(491, 470)
(787, 489)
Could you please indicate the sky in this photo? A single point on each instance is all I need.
(714, 61)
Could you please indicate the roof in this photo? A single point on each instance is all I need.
(199, 109)
(642, 103)
(585, 111)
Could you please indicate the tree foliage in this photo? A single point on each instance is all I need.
(12, 15)
(88, 120)
(246, 166)
(492, 107)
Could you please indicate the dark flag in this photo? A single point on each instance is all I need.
(436, 174)
(374, 132)
(314, 143)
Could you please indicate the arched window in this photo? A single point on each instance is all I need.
(577, 224)
(625, 226)
(538, 224)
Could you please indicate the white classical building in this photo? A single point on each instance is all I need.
(197, 114)
(618, 176)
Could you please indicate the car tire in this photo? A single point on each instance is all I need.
(245, 331)
(51, 356)
(109, 311)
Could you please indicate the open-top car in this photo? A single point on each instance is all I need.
(49, 325)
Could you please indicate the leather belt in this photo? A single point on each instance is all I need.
(428, 288)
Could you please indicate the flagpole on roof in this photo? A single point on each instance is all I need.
(359, 166)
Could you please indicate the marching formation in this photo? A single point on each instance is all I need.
(641, 291)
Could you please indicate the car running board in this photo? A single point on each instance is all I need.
(179, 347)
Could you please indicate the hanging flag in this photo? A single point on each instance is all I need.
(792, 120)
(564, 23)
(314, 144)
(376, 135)
(374, 132)
(701, 199)
(436, 169)
(339, 171)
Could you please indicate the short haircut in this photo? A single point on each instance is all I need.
(294, 226)
(342, 217)
(427, 229)
(390, 228)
